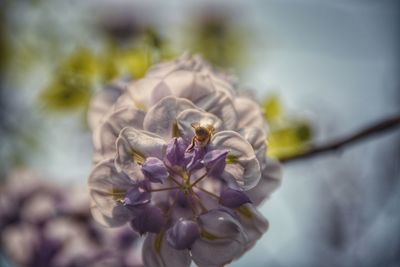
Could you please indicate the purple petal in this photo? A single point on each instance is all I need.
(232, 198)
(155, 170)
(137, 197)
(231, 212)
(175, 153)
(215, 161)
(150, 220)
(145, 185)
(125, 238)
(271, 179)
(194, 158)
(182, 199)
(183, 234)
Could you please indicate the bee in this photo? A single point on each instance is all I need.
(202, 135)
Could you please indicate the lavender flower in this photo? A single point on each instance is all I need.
(42, 224)
(182, 158)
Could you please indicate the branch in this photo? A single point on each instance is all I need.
(378, 128)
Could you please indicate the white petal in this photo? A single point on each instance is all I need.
(249, 113)
(271, 179)
(161, 118)
(189, 85)
(221, 84)
(253, 222)
(245, 168)
(221, 105)
(108, 187)
(158, 253)
(139, 94)
(257, 138)
(216, 253)
(189, 116)
(222, 239)
(106, 133)
(161, 70)
(125, 101)
(133, 147)
(142, 90)
(159, 92)
(101, 103)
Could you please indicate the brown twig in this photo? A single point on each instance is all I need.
(378, 128)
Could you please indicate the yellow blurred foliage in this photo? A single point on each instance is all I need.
(74, 79)
(288, 135)
(67, 92)
(216, 38)
(273, 109)
(72, 83)
(134, 62)
(288, 140)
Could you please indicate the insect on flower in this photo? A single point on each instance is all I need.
(188, 170)
(202, 135)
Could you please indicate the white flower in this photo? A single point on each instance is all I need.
(182, 157)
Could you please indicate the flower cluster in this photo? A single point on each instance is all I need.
(181, 157)
(42, 224)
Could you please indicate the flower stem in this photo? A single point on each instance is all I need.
(175, 181)
(374, 129)
(198, 180)
(164, 189)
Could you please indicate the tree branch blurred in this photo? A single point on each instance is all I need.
(336, 145)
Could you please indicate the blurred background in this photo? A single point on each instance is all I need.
(320, 69)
